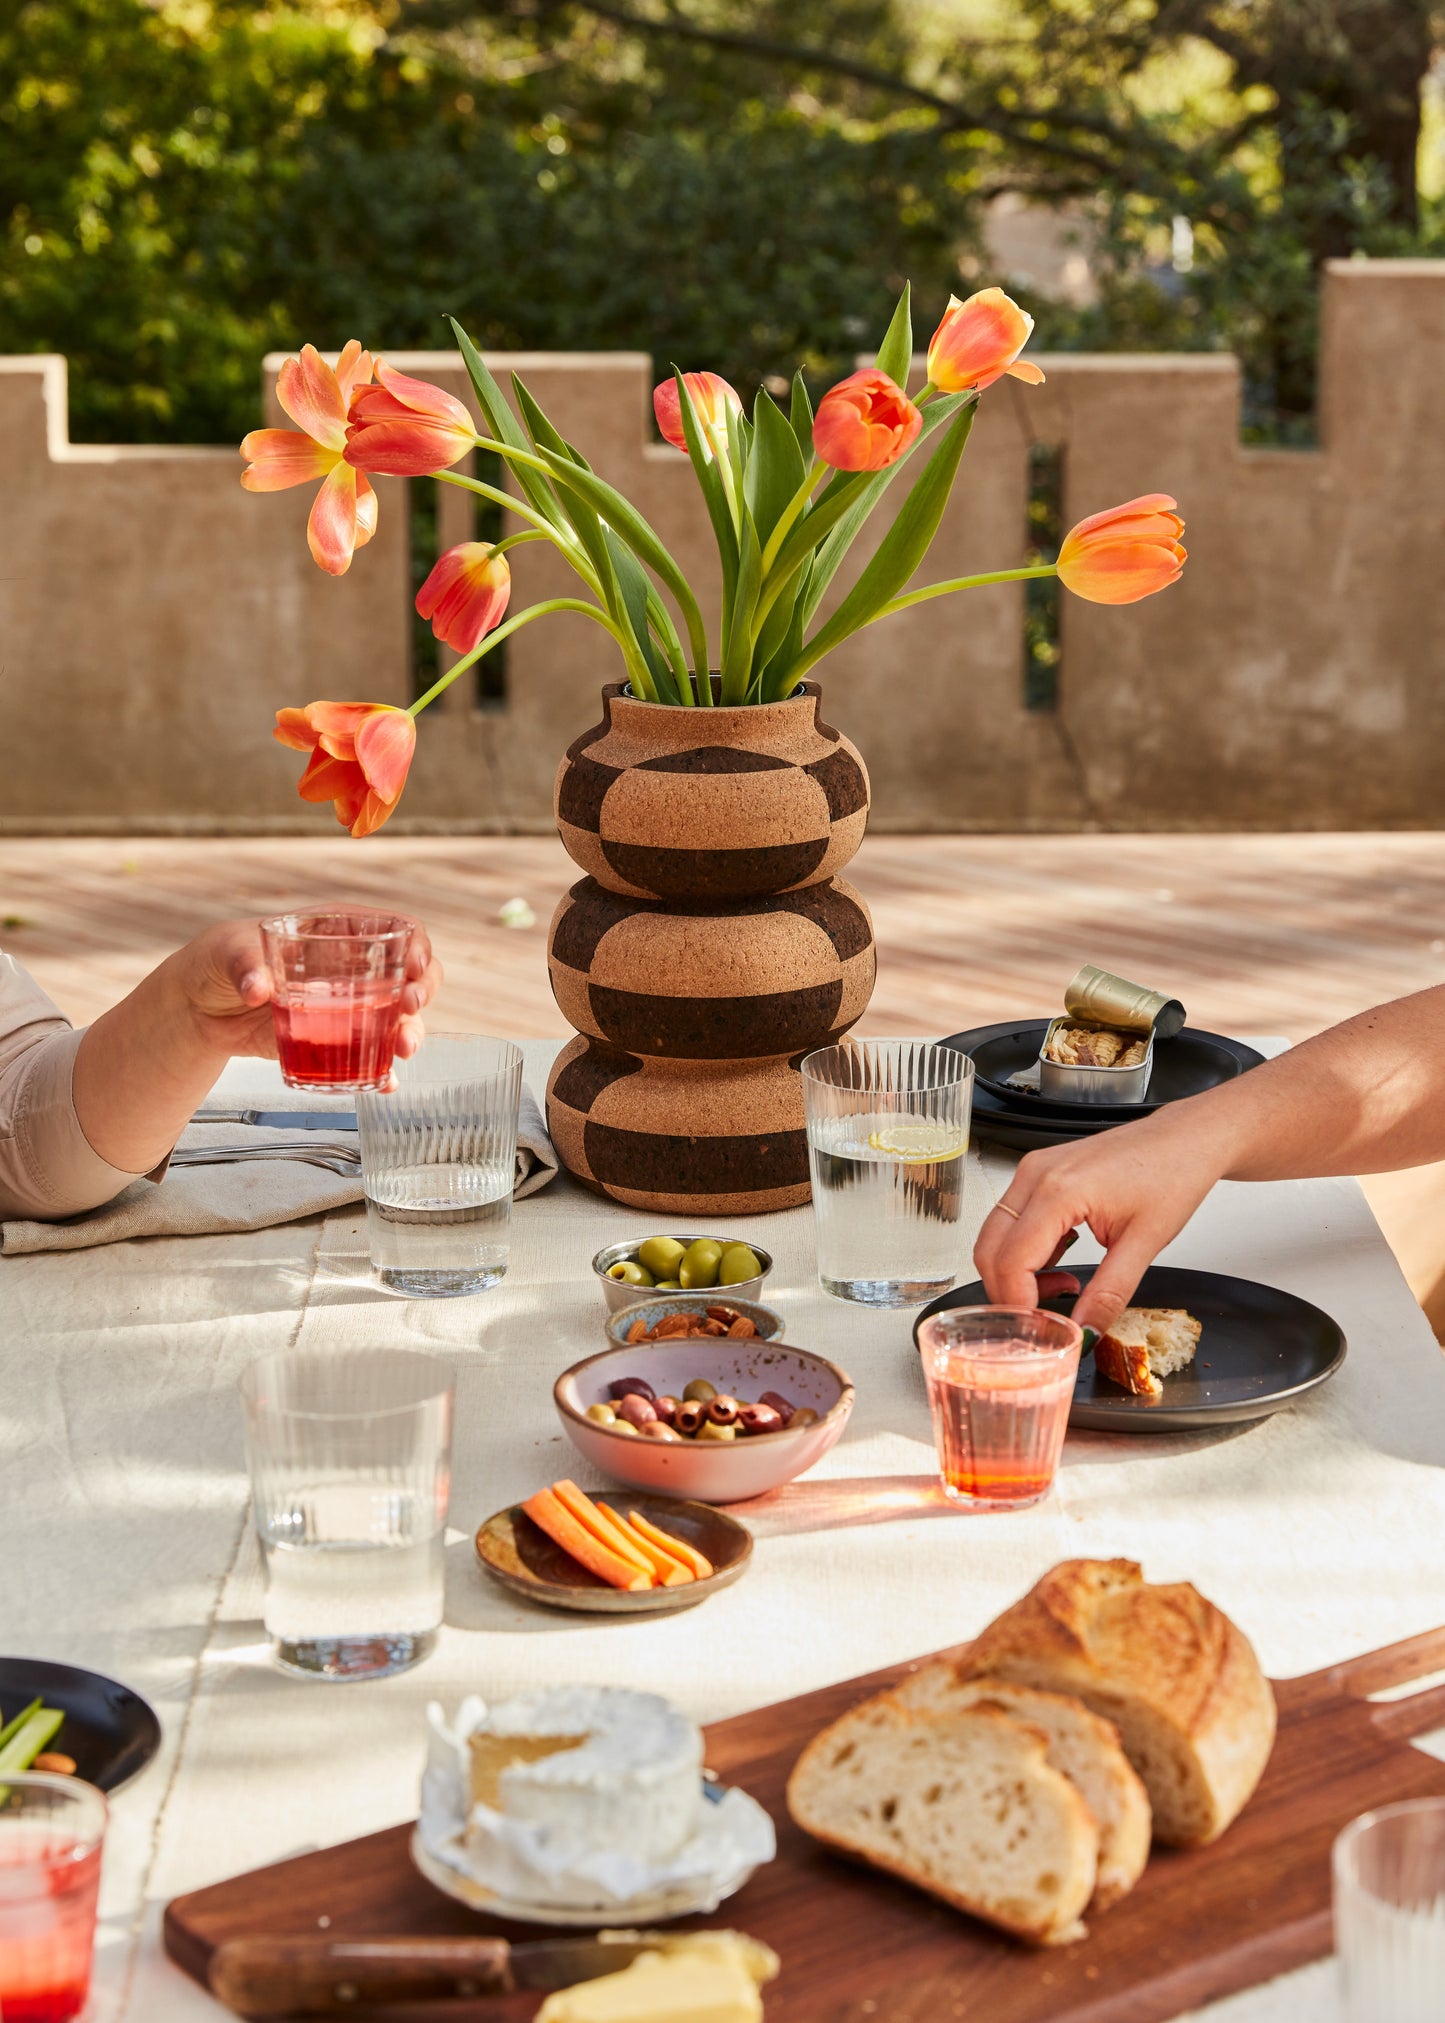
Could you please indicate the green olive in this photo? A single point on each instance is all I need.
(700, 1262)
(738, 1263)
(621, 1426)
(629, 1272)
(602, 1415)
(700, 1391)
(669, 1285)
(661, 1255)
(709, 1431)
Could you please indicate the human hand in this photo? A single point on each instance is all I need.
(227, 989)
(1135, 1188)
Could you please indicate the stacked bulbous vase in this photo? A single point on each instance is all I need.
(709, 947)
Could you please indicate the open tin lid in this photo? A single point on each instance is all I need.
(1107, 1000)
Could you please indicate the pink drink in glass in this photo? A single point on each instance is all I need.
(338, 981)
(1000, 1382)
(51, 1829)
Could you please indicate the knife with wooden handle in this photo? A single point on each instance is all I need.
(339, 1977)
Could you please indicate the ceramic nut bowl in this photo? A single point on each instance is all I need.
(618, 1293)
(705, 1470)
(654, 1308)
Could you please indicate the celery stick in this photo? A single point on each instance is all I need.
(23, 1716)
(35, 1733)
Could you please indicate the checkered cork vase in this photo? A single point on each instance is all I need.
(710, 946)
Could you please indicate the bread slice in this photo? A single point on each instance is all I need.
(964, 1804)
(1195, 1714)
(1145, 1344)
(1079, 1743)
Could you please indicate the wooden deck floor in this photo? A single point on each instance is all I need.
(1257, 934)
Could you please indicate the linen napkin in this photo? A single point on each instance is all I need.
(245, 1193)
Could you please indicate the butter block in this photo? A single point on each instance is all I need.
(709, 1977)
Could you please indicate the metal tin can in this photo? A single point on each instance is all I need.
(1098, 998)
(1070, 1084)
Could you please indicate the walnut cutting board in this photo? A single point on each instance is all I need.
(856, 1945)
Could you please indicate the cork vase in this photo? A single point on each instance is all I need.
(710, 945)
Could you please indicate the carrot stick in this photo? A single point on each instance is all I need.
(560, 1526)
(607, 1529)
(671, 1569)
(678, 1547)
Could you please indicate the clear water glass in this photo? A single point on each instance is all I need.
(1389, 1875)
(51, 1833)
(338, 978)
(350, 1459)
(1000, 1382)
(439, 1165)
(887, 1134)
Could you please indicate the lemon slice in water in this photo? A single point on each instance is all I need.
(918, 1144)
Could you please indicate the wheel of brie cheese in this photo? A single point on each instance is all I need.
(584, 1770)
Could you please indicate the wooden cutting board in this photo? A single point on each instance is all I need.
(858, 1947)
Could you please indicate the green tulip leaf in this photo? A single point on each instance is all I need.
(800, 410)
(705, 469)
(505, 428)
(895, 353)
(775, 467)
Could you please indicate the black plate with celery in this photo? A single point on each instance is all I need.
(106, 1730)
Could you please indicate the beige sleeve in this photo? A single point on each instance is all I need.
(47, 1166)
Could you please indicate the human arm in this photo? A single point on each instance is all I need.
(1367, 1096)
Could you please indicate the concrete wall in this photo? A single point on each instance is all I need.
(153, 615)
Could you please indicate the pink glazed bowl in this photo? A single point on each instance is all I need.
(707, 1471)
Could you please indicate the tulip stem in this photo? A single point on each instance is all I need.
(519, 540)
(790, 513)
(512, 625)
(966, 583)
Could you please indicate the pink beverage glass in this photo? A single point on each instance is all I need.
(51, 1830)
(338, 979)
(1000, 1382)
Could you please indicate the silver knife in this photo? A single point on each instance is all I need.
(337, 1977)
(282, 1120)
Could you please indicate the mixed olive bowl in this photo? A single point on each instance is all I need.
(709, 1471)
(653, 1308)
(618, 1293)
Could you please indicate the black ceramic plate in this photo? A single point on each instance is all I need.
(111, 1732)
(1261, 1349)
(519, 1554)
(1186, 1065)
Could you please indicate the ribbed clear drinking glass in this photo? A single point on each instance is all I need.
(887, 1133)
(350, 1459)
(439, 1164)
(1389, 1871)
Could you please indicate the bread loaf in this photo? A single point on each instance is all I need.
(1194, 1712)
(1145, 1344)
(962, 1803)
(1079, 1743)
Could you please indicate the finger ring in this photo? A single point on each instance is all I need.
(1016, 1213)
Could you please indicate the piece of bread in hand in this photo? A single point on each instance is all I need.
(1145, 1344)
(1082, 1745)
(963, 1804)
(1195, 1714)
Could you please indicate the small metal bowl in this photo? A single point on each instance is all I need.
(645, 1308)
(1067, 1083)
(618, 1293)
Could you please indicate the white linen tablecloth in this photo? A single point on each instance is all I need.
(128, 1548)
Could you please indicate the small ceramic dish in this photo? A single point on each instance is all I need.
(618, 1293)
(713, 1471)
(653, 1308)
(519, 1554)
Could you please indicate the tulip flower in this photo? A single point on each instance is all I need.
(1126, 553)
(978, 341)
(343, 517)
(465, 594)
(711, 399)
(865, 422)
(360, 753)
(407, 427)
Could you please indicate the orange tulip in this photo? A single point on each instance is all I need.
(407, 427)
(979, 341)
(360, 753)
(465, 594)
(865, 422)
(343, 517)
(1126, 553)
(711, 399)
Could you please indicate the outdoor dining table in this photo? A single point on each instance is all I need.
(127, 1544)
